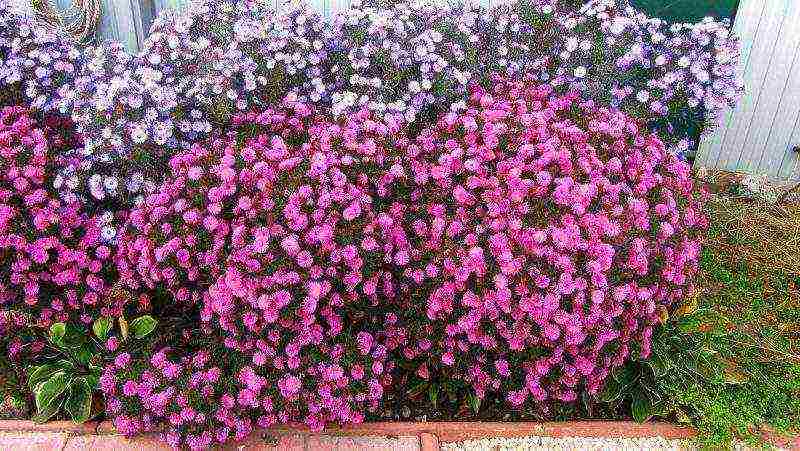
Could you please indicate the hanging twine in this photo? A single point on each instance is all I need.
(80, 21)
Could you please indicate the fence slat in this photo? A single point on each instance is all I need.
(745, 26)
(764, 45)
(789, 133)
(795, 140)
(775, 146)
(754, 154)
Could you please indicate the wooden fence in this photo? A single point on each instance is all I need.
(762, 135)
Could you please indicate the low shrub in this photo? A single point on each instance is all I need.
(37, 63)
(549, 236)
(201, 66)
(526, 246)
(269, 236)
(56, 259)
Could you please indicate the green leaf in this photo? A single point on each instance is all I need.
(433, 394)
(40, 373)
(79, 402)
(624, 375)
(43, 415)
(657, 365)
(101, 327)
(611, 391)
(49, 393)
(641, 407)
(143, 326)
(57, 332)
(474, 402)
(84, 354)
(75, 335)
(93, 380)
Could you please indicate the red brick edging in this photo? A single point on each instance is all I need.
(429, 434)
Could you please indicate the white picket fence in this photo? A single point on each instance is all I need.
(762, 135)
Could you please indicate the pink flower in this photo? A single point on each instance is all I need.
(122, 360)
(289, 386)
(365, 342)
(112, 344)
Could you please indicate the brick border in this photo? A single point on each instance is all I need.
(429, 434)
(447, 431)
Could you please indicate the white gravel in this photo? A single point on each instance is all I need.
(573, 443)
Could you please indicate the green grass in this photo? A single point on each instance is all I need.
(728, 361)
(747, 320)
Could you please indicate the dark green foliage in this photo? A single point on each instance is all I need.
(687, 10)
(66, 375)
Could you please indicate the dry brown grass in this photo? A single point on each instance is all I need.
(763, 235)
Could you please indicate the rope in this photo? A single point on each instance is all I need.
(80, 21)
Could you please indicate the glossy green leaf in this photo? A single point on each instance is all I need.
(657, 365)
(43, 415)
(624, 375)
(40, 373)
(143, 326)
(49, 393)
(102, 327)
(76, 335)
(79, 402)
(57, 332)
(611, 391)
(93, 380)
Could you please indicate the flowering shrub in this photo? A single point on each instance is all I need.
(649, 69)
(550, 236)
(197, 67)
(274, 241)
(308, 205)
(404, 58)
(203, 402)
(54, 259)
(38, 61)
(542, 238)
(202, 65)
(100, 176)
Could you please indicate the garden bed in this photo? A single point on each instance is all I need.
(332, 227)
(742, 286)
